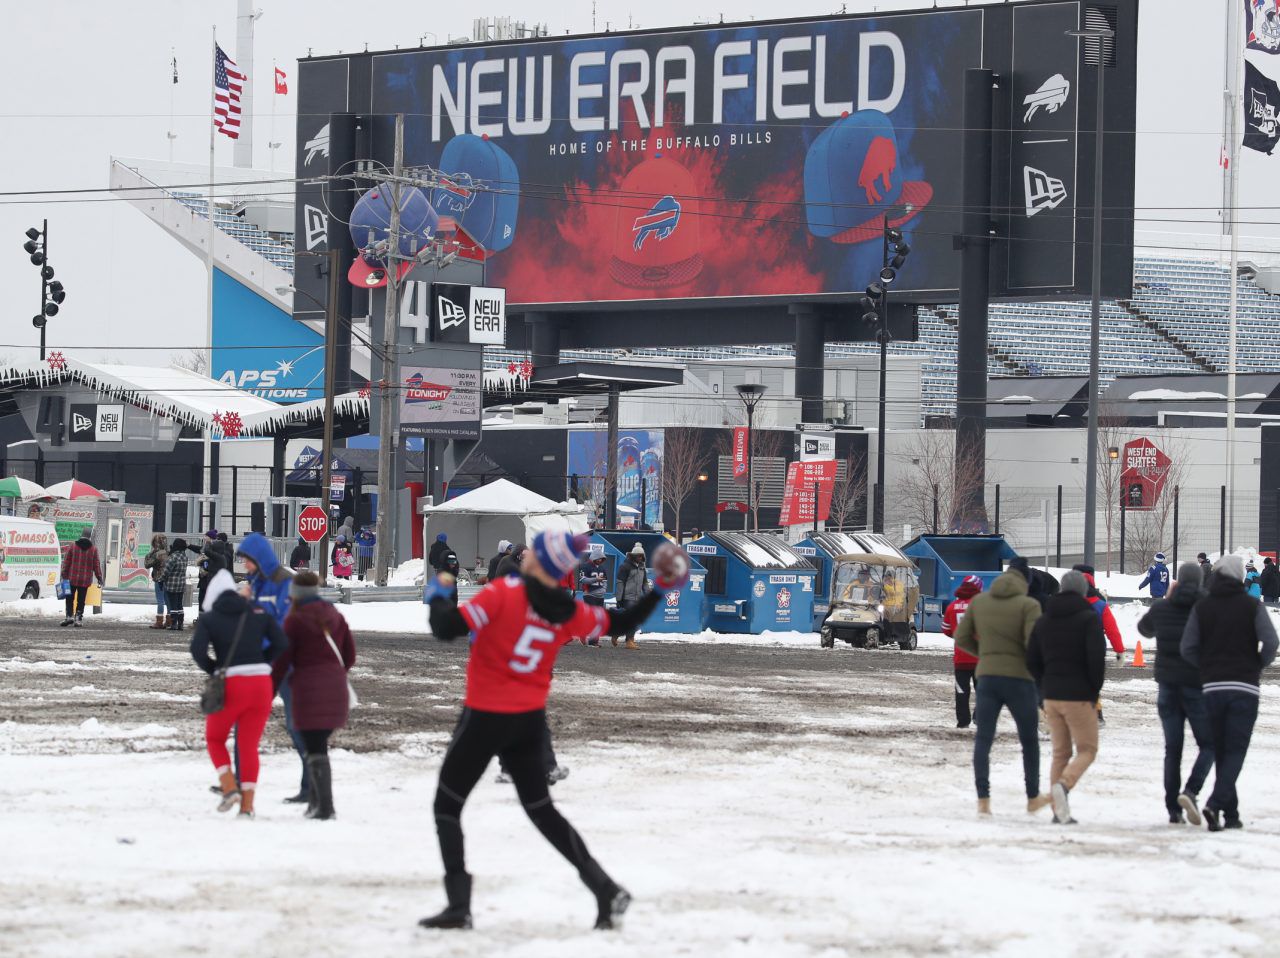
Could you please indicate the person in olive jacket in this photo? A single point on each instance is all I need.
(996, 628)
(320, 652)
(1180, 699)
(1067, 655)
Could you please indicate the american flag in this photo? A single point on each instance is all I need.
(227, 84)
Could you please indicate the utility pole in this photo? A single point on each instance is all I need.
(388, 434)
(333, 258)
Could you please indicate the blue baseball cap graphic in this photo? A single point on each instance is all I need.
(487, 215)
(852, 179)
(372, 215)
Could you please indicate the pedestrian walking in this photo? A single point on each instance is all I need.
(1252, 584)
(244, 640)
(630, 587)
(996, 628)
(1180, 699)
(1269, 581)
(81, 565)
(438, 549)
(319, 655)
(174, 580)
(1157, 578)
(1206, 569)
(300, 557)
(1067, 656)
(155, 561)
(210, 559)
(1231, 639)
(962, 662)
(269, 588)
(519, 625)
(511, 562)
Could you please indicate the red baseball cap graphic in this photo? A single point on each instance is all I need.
(852, 179)
(656, 237)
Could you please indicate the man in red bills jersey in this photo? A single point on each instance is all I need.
(519, 626)
(963, 662)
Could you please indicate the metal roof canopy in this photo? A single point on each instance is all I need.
(1050, 397)
(595, 378)
(1201, 398)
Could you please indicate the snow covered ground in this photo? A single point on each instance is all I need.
(813, 831)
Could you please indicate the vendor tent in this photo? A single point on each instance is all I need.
(474, 522)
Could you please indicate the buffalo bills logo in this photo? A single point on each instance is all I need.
(660, 222)
(418, 390)
(455, 192)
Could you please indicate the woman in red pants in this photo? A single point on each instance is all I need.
(244, 640)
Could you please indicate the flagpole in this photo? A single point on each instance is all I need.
(208, 312)
(173, 66)
(1231, 212)
(271, 138)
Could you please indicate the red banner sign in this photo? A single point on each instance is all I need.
(807, 495)
(731, 507)
(1144, 469)
(740, 454)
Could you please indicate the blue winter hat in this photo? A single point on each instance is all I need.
(559, 550)
(442, 538)
(1159, 556)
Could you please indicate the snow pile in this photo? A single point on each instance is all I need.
(407, 573)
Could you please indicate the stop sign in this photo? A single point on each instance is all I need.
(313, 524)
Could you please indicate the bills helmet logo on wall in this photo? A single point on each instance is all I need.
(418, 390)
(1044, 192)
(318, 145)
(675, 255)
(1052, 94)
(660, 222)
(845, 208)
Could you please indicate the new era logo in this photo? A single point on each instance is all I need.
(1043, 192)
(451, 314)
(81, 423)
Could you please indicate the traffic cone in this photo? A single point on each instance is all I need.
(1138, 661)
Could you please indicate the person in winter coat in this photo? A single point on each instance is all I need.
(1251, 583)
(174, 579)
(1157, 578)
(631, 586)
(504, 550)
(1180, 700)
(1206, 569)
(594, 581)
(1269, 581)
(155, 561)
(1100, 606)
(80, 566)
(300, 557)
(962, 662)
(510, 564)
(1067, 656)
(211, 559)
(1036, 583)
(996, 628)
(1231, 639)
(438, 549)
(268, 585)
(320, 653)
(344, 563)
(245, 640)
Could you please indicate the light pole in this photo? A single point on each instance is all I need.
(51, 292)
(1098, 35)
(751, 394)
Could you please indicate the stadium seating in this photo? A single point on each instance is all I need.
(277, 251)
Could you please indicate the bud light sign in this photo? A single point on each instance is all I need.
(639, 463)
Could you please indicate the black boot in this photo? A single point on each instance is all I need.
(611, 899)
(458, 913)
(321, 787)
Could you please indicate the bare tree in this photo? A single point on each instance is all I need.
(1148, 531)
(1111, 435)
(932, 492)
(849, 490)
(195, 360)
(684, 459)
(764, 446)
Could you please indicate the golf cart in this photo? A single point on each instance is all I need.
(873, 602)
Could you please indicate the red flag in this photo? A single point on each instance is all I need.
(281, 85)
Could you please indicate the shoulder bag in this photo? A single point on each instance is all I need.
(352, 699)
(214, 694)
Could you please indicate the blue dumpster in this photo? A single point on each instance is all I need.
(821, 547)
(755, 583)
(944, 561)
(683, 610)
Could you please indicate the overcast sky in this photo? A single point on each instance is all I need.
(85, 80)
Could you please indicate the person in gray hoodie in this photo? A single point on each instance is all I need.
(1231, 639)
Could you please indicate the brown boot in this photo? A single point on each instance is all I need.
(984, 806)
(1035, 804)
(246, 802)
(160, 622)
(230, 791)
(614, 640)
(631, 644)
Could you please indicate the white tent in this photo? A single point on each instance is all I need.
(476, 520)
